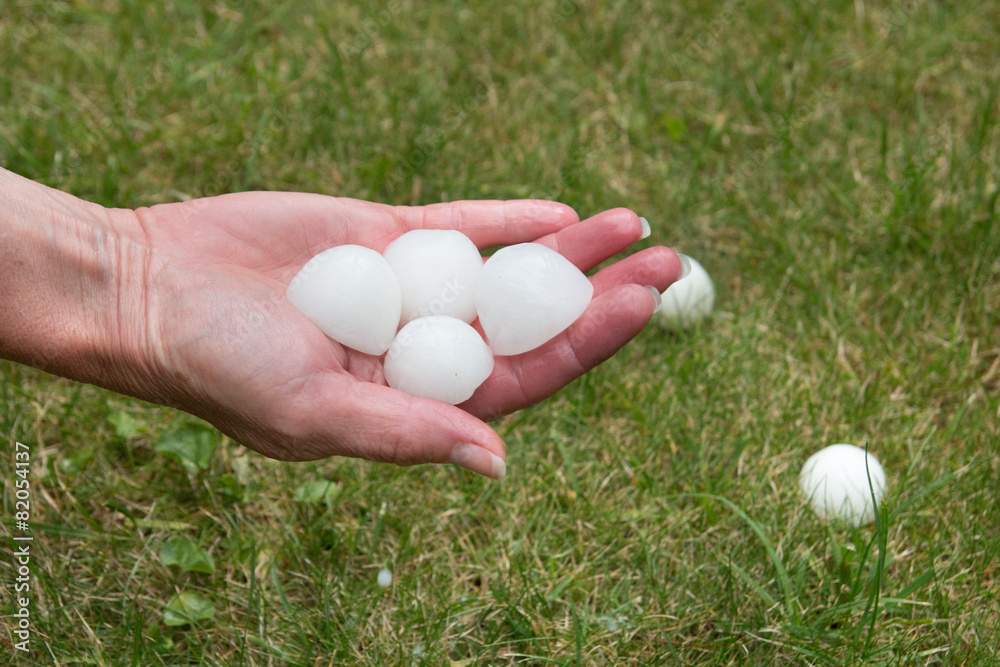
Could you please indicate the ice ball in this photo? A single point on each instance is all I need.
(352, 295)
(527, 295)
(689, 300)
(384, 578)
(440, 357)
(839, 482)
(437, 271)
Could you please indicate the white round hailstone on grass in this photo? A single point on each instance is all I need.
(384, 578)
(438, 357)
(437, 271)
(352, 295)
(689, 300)
(839, 482)
(527, 295)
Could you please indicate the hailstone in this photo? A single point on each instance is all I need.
(527, 295)
(688, 300)
(352, 295)
(438, 357)
(840, 481)
(437, 271)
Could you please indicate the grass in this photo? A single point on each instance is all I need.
(833, 165)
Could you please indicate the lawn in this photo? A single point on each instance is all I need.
(835, 167)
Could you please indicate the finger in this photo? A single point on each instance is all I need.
(659, 267)
(597, 238)
(490, 223)
(611, 320)
(304, 214)
(378, 423)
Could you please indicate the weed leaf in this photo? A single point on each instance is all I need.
(187, 607)
(191, 444)
(188, 556)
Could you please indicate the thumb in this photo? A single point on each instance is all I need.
(378, 423)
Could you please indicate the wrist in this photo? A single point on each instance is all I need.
(67, 280)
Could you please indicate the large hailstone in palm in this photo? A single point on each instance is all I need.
(527, 295)
(841, 481)
(352, 295)
(438, 357)
(437, 270)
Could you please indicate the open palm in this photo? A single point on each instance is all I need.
(226, 345)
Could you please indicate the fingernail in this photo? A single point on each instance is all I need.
(656, 295)
(685, 265)
(479, 460)
(646, 229)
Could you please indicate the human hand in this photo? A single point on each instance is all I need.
(226, 345)
(184, 304)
